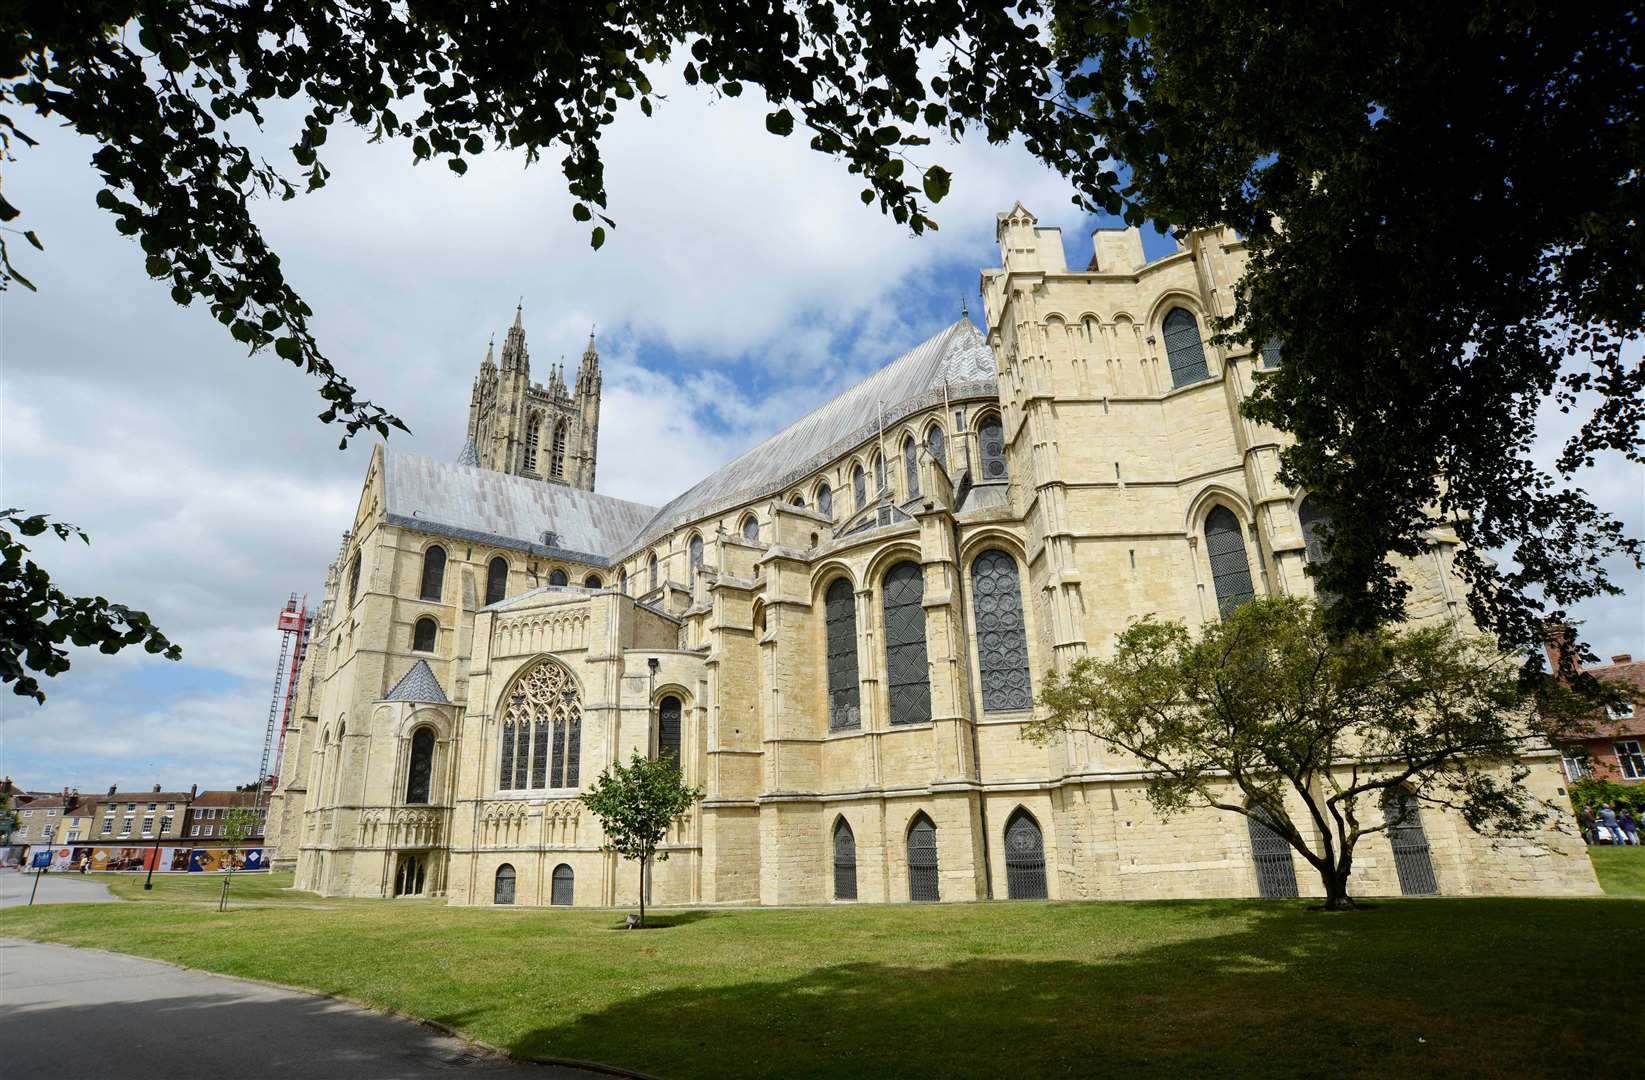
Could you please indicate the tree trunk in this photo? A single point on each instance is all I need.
(1336, 888)
(642, 892)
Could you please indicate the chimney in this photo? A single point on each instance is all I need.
(157, 789)
(1623, 658)
(1557, 639)
(193, 790)
(112, 787)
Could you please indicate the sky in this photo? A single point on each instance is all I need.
(744, 284)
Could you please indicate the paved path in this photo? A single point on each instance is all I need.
(56, 887)
(78, 1012)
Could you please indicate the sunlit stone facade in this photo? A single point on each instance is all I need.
(839, 634)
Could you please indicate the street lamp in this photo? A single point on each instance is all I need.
(154, 860)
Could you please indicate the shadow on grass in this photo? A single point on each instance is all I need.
(1424, 988)
(655, 921)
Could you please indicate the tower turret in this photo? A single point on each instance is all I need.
(587, 403)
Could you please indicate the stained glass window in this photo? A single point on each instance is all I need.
(840, 605)
(908, 680)
(1230, 572)
(434, 572)
(1183, 349)
(1002, 644)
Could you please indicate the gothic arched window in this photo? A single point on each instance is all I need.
(434, 572)
(798, 500)
(1230, 571)
(424, 635)
(840, 605)
(859, 487)
(1410, 843)
(541, 730)
(1002, 646)
(1183, 348)
(622, 581)
(533, 438)
(845, 862)
(353, 580)
(558, 577)
(562, 887)
(592, 581)
(922, 860)
(911, 466)
(668, 729)
(496, 581)
(908, 680)
(652, 566)
(1310, 517)
(502, 891)
(879, 474)
(751, 529)
(696, 549)
(825, 500)
(991, 447)
(934, 443)
(1024, 857)
(556, 461)
(421, 766)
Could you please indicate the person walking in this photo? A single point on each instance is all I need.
(1585, 819)
(85, 863)
(1630, 827)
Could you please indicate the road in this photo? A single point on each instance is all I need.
(78, 1012)
(56, 887)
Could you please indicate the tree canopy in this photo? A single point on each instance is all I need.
(1442, 201)
(1269, 714)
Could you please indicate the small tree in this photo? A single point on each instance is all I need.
(239, 824)
(636, 803)
(1266, 707)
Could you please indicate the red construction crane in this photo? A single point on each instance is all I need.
(294, 624)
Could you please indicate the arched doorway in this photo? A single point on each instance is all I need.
(1410, 843)
(922, 860)
(564, 885)
(1024, 858)
(845, 862)
(503, 891)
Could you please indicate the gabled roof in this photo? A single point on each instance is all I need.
(957, 357)
(468, 503)
(418, 684)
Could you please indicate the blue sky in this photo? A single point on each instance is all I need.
(744, 284)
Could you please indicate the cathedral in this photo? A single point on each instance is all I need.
(839, 635)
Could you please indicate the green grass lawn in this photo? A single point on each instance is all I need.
(1464, 987)
(1621, 870)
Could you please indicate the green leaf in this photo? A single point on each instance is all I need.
(780, 122)
(580, 212)
(937, 181)
(597, 238)
(288, 348)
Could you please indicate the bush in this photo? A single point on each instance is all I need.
(1594, 792)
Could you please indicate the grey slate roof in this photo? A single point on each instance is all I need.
(418, 684)
(958, 355)
(487, 507)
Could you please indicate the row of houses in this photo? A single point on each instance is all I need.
(154, 818)
(1614, 748)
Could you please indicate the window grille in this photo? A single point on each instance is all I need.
(1024, 858)
(503, 891)
(533, 436)
(751, 530)
(564, 883)
(1629, 758)
(911, 466)
(668, 729)
(934, 443)
(423, 635)
(1310, 518)
(1002, 645)
(558, 578)
(1276, 873)
(557, 739)
(574, 748)
(859, 487)
(1230, 572)
(1410, 843)
(922, 860)
(841, 622)
(556, 463)
(991, 440)
(825, 501)
(845, 862)
(1271, 353)
(497, 580)
(1183, 349)
(421, 766)
(434, 572)
(908, 680)
(539, 752)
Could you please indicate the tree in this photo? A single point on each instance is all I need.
(239, 825)
(37, 618)
(636, 803)
(1268, 710)
(1442, 204)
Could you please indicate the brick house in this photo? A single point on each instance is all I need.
(146, 817)
(1615, 749)
(209, 811)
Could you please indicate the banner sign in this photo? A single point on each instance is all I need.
(40, 860)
